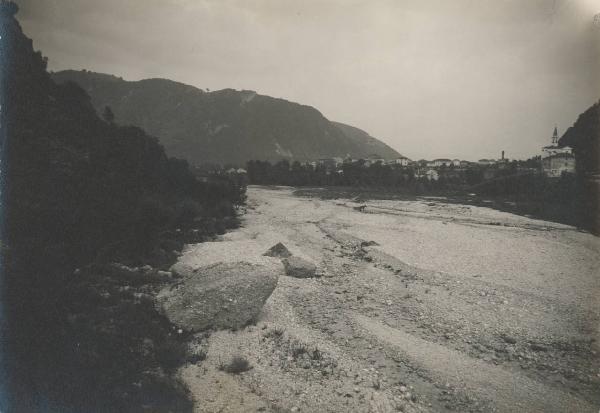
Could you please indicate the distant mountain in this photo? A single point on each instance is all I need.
(225, 126)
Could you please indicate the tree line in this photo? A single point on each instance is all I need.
(413, 179)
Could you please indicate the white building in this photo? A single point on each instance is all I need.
(399, 161)
(441, 162)
(557, 160)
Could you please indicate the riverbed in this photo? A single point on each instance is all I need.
(420, 305)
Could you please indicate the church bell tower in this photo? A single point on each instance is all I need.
(555, 137)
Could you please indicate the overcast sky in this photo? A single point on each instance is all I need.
(458, 79)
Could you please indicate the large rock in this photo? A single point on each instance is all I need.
(209, 253)
(224, 295)
(278, 250)
(299, 267)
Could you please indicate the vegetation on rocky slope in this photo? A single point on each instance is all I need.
(584, 138)
(79, 193)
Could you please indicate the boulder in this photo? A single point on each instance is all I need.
(299, 267)
(224, 295)
(278, 250)
(208, 253)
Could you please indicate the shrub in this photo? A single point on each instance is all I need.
(237, 365)
(275, 333)
(298, 348)
(186, 211)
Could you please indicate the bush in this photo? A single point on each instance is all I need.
(237, 365)
(186, 211)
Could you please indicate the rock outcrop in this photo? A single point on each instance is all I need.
(224, 295)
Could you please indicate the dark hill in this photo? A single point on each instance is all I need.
(584, 138)
(225, 126)
(77, 194)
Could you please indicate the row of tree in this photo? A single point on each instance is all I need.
(519, 182)
(411, 178)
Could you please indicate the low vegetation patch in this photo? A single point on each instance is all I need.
(292, 352)
(237, 365)
(275, 333)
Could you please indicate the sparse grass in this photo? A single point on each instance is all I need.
(197, 357)
(275, 333)
(237, 365)
(377, 384)
(317, 354)
(298, 348)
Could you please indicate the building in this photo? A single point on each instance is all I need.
(556, 159)
(442, 162)
(486, 162)
(399, 161)
(373, 159)
(456, 162)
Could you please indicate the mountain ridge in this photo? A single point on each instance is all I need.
(226, 126)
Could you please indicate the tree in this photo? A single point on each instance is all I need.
(108, 115)
(8, 8)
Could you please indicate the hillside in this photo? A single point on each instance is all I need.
(584, 138)
(225, 126)
(369, 144)
(85, 203)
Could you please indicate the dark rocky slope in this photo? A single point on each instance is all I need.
(79, 333)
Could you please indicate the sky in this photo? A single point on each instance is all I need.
(432, 78)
